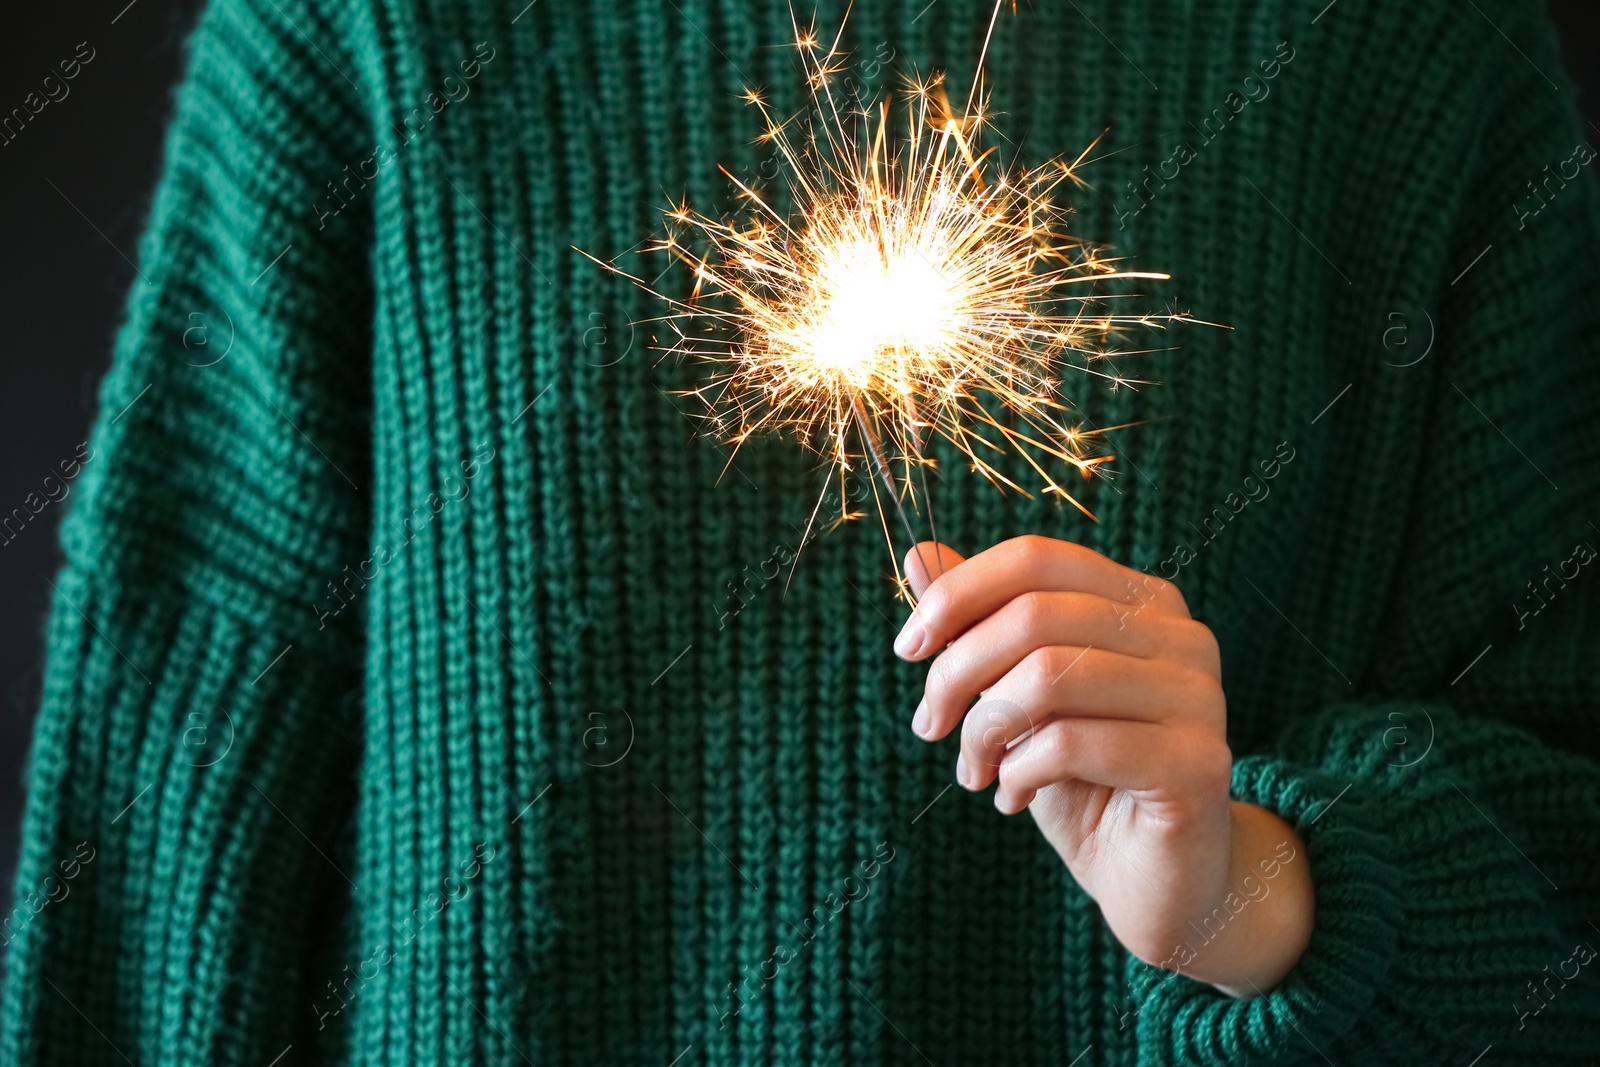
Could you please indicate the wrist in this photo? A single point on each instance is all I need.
(1258, 929)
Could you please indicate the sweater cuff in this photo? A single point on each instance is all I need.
(1350, 846)
(181, 753)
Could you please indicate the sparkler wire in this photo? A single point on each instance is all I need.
(905, 296)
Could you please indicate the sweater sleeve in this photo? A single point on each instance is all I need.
(200, 716)
(1451, 817)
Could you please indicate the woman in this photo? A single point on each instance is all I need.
(419, 691)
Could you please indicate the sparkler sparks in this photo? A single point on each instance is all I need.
(916, 289)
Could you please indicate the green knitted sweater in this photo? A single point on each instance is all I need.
(419, 690)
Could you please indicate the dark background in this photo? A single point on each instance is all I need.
(66, 258)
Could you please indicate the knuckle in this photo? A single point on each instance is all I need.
(1212, 763)
(990, 725)
(1207, 648)
(1060, 668)
(1118, 614)
(1138, 586)
(1008, 774)
(1051, 745)
(943, 675)
(1200, 758)
(1205, 697)
(1172, 596)
(1016, 773)
(1197, 646)
(1031, 611)
(1031, 550)
(1040, 668)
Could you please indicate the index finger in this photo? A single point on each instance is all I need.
(980, 586)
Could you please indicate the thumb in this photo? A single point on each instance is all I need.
(925, 557)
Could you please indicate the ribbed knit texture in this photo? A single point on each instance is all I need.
(423, 689)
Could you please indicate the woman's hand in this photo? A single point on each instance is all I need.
(1099, 708)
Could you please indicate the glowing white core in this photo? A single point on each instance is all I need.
(871, 308)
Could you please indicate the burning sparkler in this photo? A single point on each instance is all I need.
(907, 295)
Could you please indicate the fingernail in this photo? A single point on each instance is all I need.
(909, 643)
(961, 770)
(1000, 800)
(922, 721)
